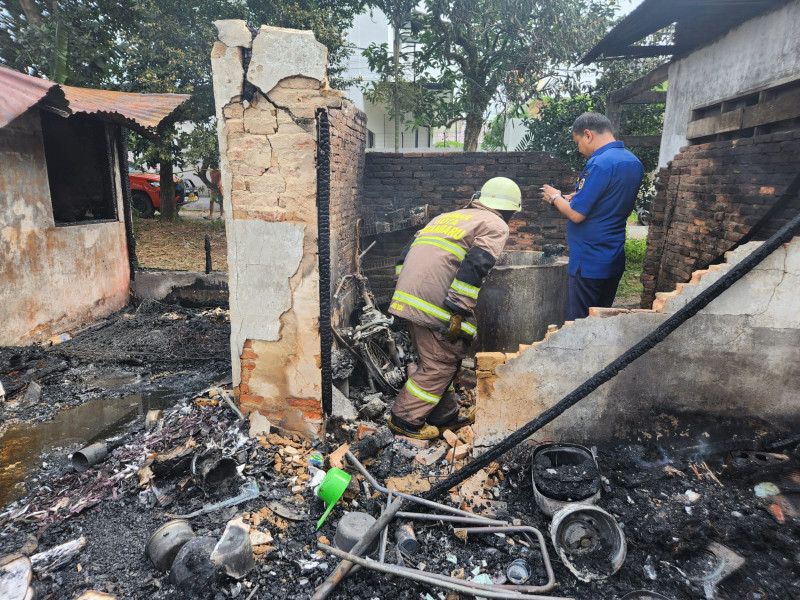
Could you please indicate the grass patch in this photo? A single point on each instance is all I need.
(180, 244)
(634, 263)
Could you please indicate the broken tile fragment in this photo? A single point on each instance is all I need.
(460, 452)
(431, 456)
(450, 437)
(412, 483)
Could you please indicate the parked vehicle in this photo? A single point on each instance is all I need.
(145, 193)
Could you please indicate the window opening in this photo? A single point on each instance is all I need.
(80, 168)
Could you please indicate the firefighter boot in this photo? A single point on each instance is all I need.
(459, 420)
(421, 432)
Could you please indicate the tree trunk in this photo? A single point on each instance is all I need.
(31, 11)
(472, 132)
(396, 62)
(167, 191)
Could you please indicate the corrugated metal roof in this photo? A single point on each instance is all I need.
(19, 92)
(147, 110)
(697, 22)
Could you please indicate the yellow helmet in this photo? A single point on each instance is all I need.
(500, 193)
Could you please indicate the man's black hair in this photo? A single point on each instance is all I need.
(507, 214)
(593, 122)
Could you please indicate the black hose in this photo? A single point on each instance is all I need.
(702, 300)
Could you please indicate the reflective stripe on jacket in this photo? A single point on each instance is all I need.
(441, 270)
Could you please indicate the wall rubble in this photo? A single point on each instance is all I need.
(738, 359)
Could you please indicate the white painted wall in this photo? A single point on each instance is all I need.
(373, 27)
(761, 51)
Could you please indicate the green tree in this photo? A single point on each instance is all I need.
(475, 49)
(66, 41)
(551, 130)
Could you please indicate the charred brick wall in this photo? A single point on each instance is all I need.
(348, 143)
(709, 197)
(446, 181)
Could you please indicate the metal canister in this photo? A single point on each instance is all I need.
(167, 541)
(88, 456)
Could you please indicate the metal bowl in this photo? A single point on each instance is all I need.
(589, 541)
(571, 454)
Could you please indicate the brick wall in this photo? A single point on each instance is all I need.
(709, 197)
(447, 180)
(348, 142)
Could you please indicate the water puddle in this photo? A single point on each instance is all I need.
(22, 445)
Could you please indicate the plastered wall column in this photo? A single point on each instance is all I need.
(268, 86)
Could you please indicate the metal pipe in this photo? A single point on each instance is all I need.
(451, 583)
(336, 576)
(89, 456)
(384, 534)
(475, 520)
(429, 503)
(525, 530)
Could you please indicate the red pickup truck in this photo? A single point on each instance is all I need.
(145, 190)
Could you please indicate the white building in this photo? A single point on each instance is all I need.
(373, 27)
(734, 70)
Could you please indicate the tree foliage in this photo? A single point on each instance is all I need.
(475, 50)
(67, 41)
(551, 130)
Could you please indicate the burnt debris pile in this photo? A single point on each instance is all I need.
(195, 502)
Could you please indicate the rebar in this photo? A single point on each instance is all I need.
(457, 585)
(411, 498)
(475, 520)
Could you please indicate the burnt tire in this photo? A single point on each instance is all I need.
(142, 204)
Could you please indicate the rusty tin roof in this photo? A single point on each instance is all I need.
(19, 92)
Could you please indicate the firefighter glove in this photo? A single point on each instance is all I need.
(454, 330)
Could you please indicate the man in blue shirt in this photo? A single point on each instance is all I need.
(597, 211)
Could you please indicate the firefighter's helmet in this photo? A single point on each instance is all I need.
(500, 193)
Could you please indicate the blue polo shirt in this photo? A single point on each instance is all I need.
(605, 194)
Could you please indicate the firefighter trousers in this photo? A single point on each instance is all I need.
(428, 394)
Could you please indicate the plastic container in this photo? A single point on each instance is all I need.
(331, 489)
(351, 528)
(518, 572)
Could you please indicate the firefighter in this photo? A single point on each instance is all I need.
(440, 273)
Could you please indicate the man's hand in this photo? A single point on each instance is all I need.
(548, 191)
(454, 330)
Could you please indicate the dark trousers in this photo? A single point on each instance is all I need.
(583, 292)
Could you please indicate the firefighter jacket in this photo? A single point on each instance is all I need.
(441, 270)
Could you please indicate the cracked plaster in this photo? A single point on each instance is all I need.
(304, 55)
(263, 256)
